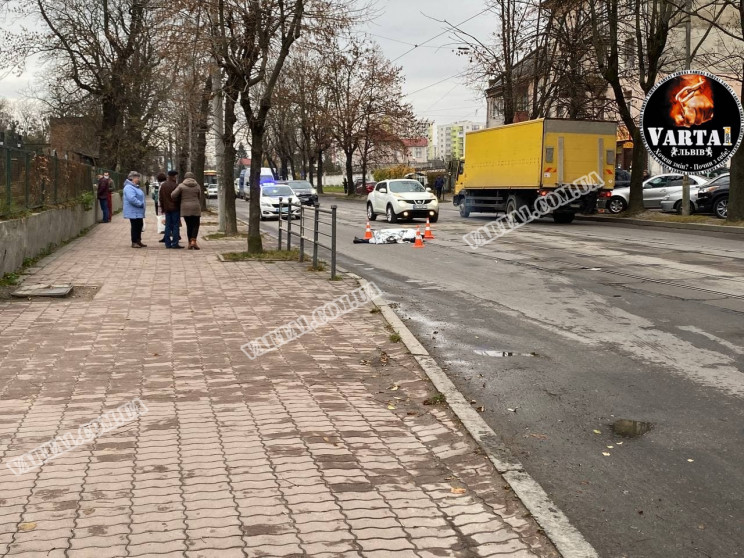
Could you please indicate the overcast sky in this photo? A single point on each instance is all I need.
(401, 25)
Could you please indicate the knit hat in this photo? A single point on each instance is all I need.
(172, 173)
(189, 175)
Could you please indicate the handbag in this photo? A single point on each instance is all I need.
(161, 223)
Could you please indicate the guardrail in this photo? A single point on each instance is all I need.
(31, 180)
(306, 214)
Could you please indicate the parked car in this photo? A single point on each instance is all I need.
(655, 189)
(304, 191)
(402, 198)
(212, 191)
(270, 194)
(362, 189)
(673, 202)
(713, 197)
(237, 187)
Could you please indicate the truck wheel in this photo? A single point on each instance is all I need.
(513, 203)
(371, 215)
(390, 215)
(464, 210)
(563, 218)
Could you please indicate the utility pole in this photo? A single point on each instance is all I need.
(688, 39)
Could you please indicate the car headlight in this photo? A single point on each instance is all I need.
(709, 189)
(314, 192)
(402, 202)
(434, 201)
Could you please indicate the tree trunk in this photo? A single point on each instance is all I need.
(255, 245)
(349, 172)
(635, 205)
(110, 123)
(319, 187)
(218, 110)
(228, 162)
(736, 189)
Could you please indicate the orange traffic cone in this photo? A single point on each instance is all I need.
(419, 243)
(368, 232)
(427, 231)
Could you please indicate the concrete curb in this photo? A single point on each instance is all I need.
(662, 224)
(566, 538)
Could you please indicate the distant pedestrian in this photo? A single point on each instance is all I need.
(109, 198)
(646, 175)
(439, 186)
(188, 196)
(134, 207)
(171, 209)
(155, 190)
(104, 189)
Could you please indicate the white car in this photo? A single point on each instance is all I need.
(673, 202)
(212, 191)
(655, 189)
(402, 199)
(270, 194)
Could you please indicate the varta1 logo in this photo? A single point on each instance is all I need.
(692, 122)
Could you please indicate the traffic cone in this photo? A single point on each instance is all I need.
(427, 231)
(419, 243)
(368, 232)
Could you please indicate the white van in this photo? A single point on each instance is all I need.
(266, 177)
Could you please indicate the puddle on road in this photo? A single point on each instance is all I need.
(501, 354)
(631, 428)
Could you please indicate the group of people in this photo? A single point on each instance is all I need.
(174, 200)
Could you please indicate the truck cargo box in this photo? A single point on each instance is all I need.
(543, 153)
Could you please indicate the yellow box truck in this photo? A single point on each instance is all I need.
(509, 167)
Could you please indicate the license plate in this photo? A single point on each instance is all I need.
(419, 206)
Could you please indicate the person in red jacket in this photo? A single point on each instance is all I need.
(104, 197)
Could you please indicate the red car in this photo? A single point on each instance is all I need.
(363, 189)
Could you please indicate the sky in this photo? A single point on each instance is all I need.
(405, 23)
(431, 84)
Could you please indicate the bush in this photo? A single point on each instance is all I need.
(87, 199)
(398, 171)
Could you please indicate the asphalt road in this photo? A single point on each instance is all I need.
(560, 330)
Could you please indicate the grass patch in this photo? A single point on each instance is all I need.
(333, 189)
(395, 337)
(9, 279)
(266, 255)
(436, 399)
(320, 267)
(336, 278)
(221, 236)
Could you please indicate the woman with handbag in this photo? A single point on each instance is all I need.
(188, 195)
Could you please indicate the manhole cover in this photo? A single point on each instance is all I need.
(53, 291)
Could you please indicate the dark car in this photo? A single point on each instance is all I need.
(305, 191)
(713, 197)
(363, 189)
(622, 178)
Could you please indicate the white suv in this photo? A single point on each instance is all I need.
(402, 199)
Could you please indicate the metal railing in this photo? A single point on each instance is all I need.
(31, 180)
(306, 213)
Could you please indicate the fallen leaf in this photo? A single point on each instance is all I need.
(690, 460)
(606, 453)
(88, 511)
(597, 431)
(480, 409)
(610, 447)
(364, 361)
(394, 387)
(473, 402)
(30, 526)
(619, 443)
(514, 410)
(458, 491)
(539, 436)
(391, 406)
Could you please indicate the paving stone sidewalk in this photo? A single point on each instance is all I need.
(322, 448)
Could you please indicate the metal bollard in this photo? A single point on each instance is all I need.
(333, 241)
(302, 233)
(315, 237)
(279, 224)
(289, 225)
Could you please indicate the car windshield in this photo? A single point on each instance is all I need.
(276, 191)
(719, 181)
(402, 186)
(300, 185)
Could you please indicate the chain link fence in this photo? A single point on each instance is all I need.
(32, 181)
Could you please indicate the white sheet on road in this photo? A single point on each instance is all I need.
(392, 236)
